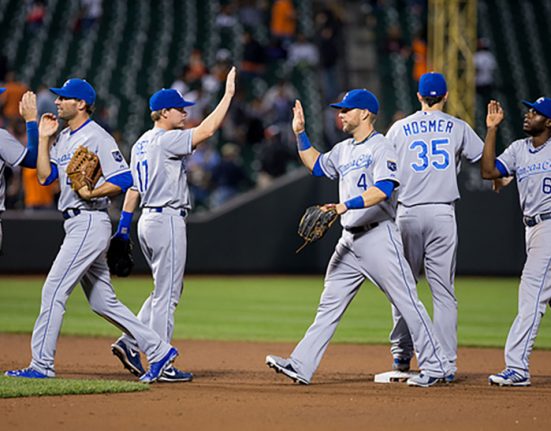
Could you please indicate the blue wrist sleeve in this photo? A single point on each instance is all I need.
(54, 174)
(386, 186)
(355, 203)
(303, 143)
(502, 169)
(32, 145)
(318, 171)
(123, 230)
(124, 181)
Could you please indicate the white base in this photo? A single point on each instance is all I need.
(393, 377)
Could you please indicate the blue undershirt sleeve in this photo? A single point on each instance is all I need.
(53, 175)
(502, 169)
(124, 181)
(317, 171)
(32, 145)
(386, 186)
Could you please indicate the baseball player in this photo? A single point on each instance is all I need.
(529, 160)
(82, 256)
(12, 153)
(370, 245)
(429, 145)
(160, 185)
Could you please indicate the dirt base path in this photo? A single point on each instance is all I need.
(234, 390)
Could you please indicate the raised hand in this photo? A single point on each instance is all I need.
(48, 125)
(298, 118)
(27, 107)
(230, 82)
(495, 114)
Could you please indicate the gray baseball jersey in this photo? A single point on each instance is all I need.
(11, 153)
(82, 256)
(372, 250)
(429, 146)
(358, 166)
(532, 169)
(97, 140)
(158, 170)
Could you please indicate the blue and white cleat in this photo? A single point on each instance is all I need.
(26, 373)
(156, 369)
(423, 380)
(400, 364)
(129, 358)
(281, 365)
(174, 375)
(509, 377)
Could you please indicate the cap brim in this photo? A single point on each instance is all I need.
(339, 105)
(2, 90)
(61, 92)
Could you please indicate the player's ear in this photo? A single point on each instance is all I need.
(81, 105)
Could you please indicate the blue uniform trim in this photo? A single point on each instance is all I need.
(386, 186)
(413, 301)
(501, 168)
(32, 145)
(355, 203)
(317, 171)
(54, 174)
(303, 143)
(124, 180)
(169, 302)
(123, 229)
(72, 132)
(536, 312)
(60, 283)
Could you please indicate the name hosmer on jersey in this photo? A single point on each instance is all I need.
(427, 126)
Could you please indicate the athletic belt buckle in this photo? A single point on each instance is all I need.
(538, 218)
(360, 229)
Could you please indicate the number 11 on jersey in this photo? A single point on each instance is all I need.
(143, 177)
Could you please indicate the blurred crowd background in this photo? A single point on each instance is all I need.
(283, 49)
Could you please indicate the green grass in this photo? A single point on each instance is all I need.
(273, 309)
(14, 388)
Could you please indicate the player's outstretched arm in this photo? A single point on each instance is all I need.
(29, 112)
(211, 124)
(46, 131)
(308, 154)
(494, 118)
(372, 196)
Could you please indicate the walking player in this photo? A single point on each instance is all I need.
(82, 256)
(529, 160)
(429, 145)
(370, 245)
(160, 183)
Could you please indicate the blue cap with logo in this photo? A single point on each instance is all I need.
(168, 98)
(432, 84)
(2, 90)
(542, 106)
(359, 99)
(76, 88)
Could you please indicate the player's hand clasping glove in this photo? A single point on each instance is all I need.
(314, 223)
(119, 256)
(84, 169)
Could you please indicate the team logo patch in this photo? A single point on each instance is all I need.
(391, 165)
(117, 156)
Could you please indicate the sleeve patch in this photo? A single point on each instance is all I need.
(391, 165)
(117, 156)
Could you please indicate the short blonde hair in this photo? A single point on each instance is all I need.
(156, 115)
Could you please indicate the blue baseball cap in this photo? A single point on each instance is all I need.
(359, 99)
(2, 90)
(76, 88)
(542, 106)
(168, 98)
(432, 84)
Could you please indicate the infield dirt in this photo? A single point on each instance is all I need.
(234, 390)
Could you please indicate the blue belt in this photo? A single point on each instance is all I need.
(73, 212)
(166, 210)
(532, 221)
(360, 229)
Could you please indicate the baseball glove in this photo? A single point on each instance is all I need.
(119, 257)
(84, 169)
(314, 223)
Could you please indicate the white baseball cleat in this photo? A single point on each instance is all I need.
(282, 365)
